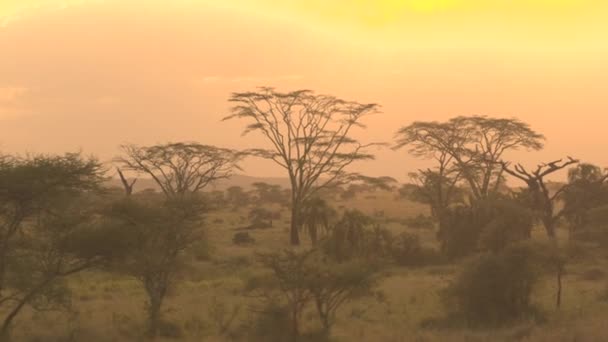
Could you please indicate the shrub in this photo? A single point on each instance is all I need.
(497, 288)
(170, 330)
(243, 238)
(419, 222)
(297, 280)
(356, 236)
(406, 250)
(270, 324)
(488, 225)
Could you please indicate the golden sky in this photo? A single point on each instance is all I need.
(92, 74)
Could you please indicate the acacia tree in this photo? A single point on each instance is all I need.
(470, 148)
(541, 197)
(310, 137)
(268, 193)
(48, 230)
(180, 168)
(158, 232)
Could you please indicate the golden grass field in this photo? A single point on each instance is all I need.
(109, 307)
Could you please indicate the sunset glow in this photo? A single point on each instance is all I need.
(105, 60)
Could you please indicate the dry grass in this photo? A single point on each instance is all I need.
(108, 307)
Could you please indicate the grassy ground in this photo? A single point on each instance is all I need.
(108, 307)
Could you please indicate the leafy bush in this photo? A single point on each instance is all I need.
(497, 288)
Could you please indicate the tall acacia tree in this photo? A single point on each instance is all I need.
(180, 168)
(470, 147)
(432, 140)
(310, 137)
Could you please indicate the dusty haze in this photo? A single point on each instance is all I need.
(92, 75)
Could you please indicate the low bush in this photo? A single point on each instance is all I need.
(243, 238)
(497, 288)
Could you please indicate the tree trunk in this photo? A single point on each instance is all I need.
(312, 230)
(558, 299)
(324, 317)
(154, 315)
(8, 320)
(295, 224)
(295, 329)
(549, 227)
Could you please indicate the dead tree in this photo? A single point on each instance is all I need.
(543, 199)
(125, 183)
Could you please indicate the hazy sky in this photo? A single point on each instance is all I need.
(92, 75)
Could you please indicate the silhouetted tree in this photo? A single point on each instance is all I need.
(542, 198)
(180, 168)
(311, 138)
(438, 189)
(469, 147)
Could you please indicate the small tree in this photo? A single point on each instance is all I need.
(268, 193)
(261, 217)
(159, 232)
(310, 137)
(309, 277)
(288, 280)
(237, 196)
(332, 285)
(180, 168)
